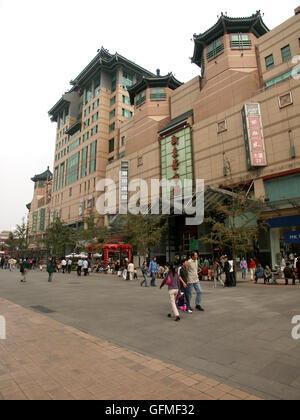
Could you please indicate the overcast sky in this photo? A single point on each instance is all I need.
(45, 44)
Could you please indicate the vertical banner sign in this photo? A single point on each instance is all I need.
(123, 189)
(254, 136)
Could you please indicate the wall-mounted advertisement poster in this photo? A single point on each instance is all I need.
(254, 136)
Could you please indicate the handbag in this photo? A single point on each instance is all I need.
(169, 281)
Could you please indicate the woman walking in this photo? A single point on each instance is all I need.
(172, 281)
(51, 267)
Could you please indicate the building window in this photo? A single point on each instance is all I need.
(222, 126)
(62, 175)
(84, 162)
(97, 86)
(86, 136)
(112, 101)
(126, 113)
(126, 100)
(110, 160)
(86, 123)
(140, 161)
(112, 127)
(95, 117)
(96, 104)
(127, 80)
(240, 42)
(87, 111)
(269, 62)
(123, 141)
(285, 100)
(215, 49)
(72, 169)
(114, 82)
(89, 93)
(158, 94)
(55, 183)
(111, 145)
(112, 114)
(74, 145)
(93, 156)
(140, 98)
(122, 155)
(286, 53)
(94, 130)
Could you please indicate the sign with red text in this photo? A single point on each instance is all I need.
(254, 136)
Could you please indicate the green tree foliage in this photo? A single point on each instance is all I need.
(143, 231)
(93, 233)
(58, 237)
(235, 223)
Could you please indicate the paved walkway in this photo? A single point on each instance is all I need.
(42, 359)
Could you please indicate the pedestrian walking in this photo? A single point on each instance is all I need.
(193, 281)
(154, 269)
(183, 278)
(85, 267)
(172, 281)
(244, 268)
(79, 267)
(217, 274)
(51, 268)
(130, 270)
(252, 267)
(227, 272)
(63, 265)
(24, 267)
(145, 271)
(70, 262)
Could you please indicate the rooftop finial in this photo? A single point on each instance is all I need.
(158, 72)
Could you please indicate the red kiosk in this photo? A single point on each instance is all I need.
(116, 249)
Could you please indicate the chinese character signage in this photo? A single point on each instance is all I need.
(124, 180)
(176, 158)
(254, 136)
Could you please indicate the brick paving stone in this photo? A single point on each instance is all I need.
(45, 368)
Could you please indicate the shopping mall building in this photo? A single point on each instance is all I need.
(237, 122)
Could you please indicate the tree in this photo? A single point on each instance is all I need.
(235, 223)
(143, 231)
(91, 234)
(21, 237)
(11, 242)
(57, 237)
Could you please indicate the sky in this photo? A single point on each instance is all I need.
(45, 44)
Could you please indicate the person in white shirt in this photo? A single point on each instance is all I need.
(63, 265)
(79, 266)
(131, 271)
(86, 267)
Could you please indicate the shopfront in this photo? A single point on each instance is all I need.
(284, 237)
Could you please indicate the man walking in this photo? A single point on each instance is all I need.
(25, 266)
(193, 281)
(183, 278)
(154, 269)
(85, 267)
(70, 262)
(79, 266)
(51, 266)
(130, 269)
(63, 265)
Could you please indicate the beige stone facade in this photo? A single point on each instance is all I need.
(240, 62)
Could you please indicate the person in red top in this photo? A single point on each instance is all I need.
(252, 267)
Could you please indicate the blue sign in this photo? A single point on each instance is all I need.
(292, 237)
